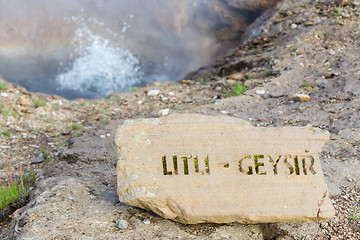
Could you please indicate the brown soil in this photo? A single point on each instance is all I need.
(309, 47)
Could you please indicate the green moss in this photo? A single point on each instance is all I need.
(207, 166)
(175, 162)
(165, 172)
(186, 165)
(297, 166)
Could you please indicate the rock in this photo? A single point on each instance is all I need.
(332, 52)
(294, 26)
(193, 169)
(231, 82)
(146, 221)
(260, 91)
(164, 112)
(356, 3)
(301, 97)
(171, 94)
(24, 101)
(39, 159)
(186, 81)
(123, 224)
(236, 76)
(253, 83)
(153, 93)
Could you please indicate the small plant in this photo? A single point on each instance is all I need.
(16, 192)
(238, 89)
(79, 134)
(8, 112)
(338, 11)
(293, 49)
(317, 218)
(39, 103)
(2, 86)
(354, 215)
(57, 106)
(6, 133)
(267, 73)
(75, 126)
(252, 76)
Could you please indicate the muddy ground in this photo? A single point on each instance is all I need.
(309, 47)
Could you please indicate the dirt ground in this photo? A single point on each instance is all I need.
(308, 47)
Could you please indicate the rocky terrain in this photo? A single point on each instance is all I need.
(301, 47)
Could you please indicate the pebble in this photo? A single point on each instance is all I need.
(301, 97)
(37, 160)
(171, 94)
(260, 91)
(164, 99)
(3, 94)
(332, 52)
(164, 112)
(146, 221)
(153, 92)
(293, 26)
(123, 224)
(139, 102)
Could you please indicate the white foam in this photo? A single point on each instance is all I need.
(101, 66)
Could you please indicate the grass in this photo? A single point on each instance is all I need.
(266, 73)
(7, 112)
(252, 76)
(15, 193)
(338, 11)
(2, 86)
(75, 126)
(293, 49)
(39, 103)
(354, 215)
(6, 133)
(239, 89)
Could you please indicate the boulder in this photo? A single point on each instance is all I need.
(194, 169)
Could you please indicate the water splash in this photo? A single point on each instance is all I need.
(100, 67)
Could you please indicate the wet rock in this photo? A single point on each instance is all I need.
(301, 97)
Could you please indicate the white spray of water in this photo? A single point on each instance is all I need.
(100, 68)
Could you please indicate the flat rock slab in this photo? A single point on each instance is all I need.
(193, 169)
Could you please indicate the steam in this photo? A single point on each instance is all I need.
(82, 48)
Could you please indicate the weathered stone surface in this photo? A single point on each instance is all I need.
(193, 168)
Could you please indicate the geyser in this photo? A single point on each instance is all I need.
(82, 48)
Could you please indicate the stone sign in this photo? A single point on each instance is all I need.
(193, 168)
